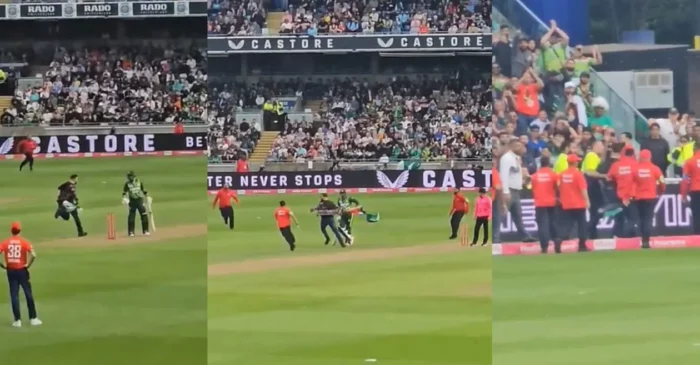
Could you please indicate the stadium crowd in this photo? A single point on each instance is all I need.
(402, 120)
(116, 85)
(547, 116)
(418, 120)
(543, 94)
(236, 18)
(360, 16)
(312, 17)
(67, 1)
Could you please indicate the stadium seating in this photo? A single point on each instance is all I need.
(337, 17)
(402, 120)
(116, 85)
(236, 18)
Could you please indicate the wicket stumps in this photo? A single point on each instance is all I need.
(463, 236)
(111, 228)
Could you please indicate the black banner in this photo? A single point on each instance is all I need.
(153, 8)
(108, 143)
(40, 10)
(351, 43)
(125, 9)
(671, 218)
(96, 10)
(389, 179)
(198, 7)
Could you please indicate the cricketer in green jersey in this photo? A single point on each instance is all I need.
(347, 204)
(135, 197)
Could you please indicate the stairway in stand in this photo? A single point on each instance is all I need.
(5, 102)
(274, 19)
(262, 150)
(314, 105)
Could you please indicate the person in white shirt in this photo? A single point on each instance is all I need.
(668, 127)
(510, 169)
(541, 121)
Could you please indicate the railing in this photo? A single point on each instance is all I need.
(625, 116)
(358, 165)
(68, 124)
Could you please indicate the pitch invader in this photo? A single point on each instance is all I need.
(68, 204)
(327, 211)
(135, 196)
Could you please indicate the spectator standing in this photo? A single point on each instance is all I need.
(502, 51)
(510, 170)
(179, 128)
(669, 127)
(527, 104)
(600, 120)
(657, 146)
(242, 165)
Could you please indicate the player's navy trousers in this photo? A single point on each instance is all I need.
(20, 278)
(227, 215)
(328, 221)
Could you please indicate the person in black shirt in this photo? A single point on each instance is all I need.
(327, 210)
(68, 204)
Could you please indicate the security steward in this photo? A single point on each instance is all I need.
(690, 187)
(280, 116)
(680, 154)
(573, 194)
(649, 182)
(544, 195)
(268, 114)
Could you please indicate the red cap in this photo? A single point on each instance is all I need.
(15, 227)
(645, 155)
(572, 158)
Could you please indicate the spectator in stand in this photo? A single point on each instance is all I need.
(404, 121)
(235, 18)
(179, 128)
(360, 16)
(118, 85)
(527, 103)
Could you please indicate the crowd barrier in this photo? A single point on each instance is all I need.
(363, 181)
(108, 145)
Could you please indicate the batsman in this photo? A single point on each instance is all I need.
(136, 197)
(348, 206)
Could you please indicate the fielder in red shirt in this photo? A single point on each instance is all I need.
(690, 186)
(544, 193)
(573, 193)
(460, 206)
(27, 147)
(223, 198)
(284, 218)
(622, 174)
(19, 256)
(649, 183)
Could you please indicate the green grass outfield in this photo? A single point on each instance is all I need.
(606, 308)
(138, 300)
(373, 302)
